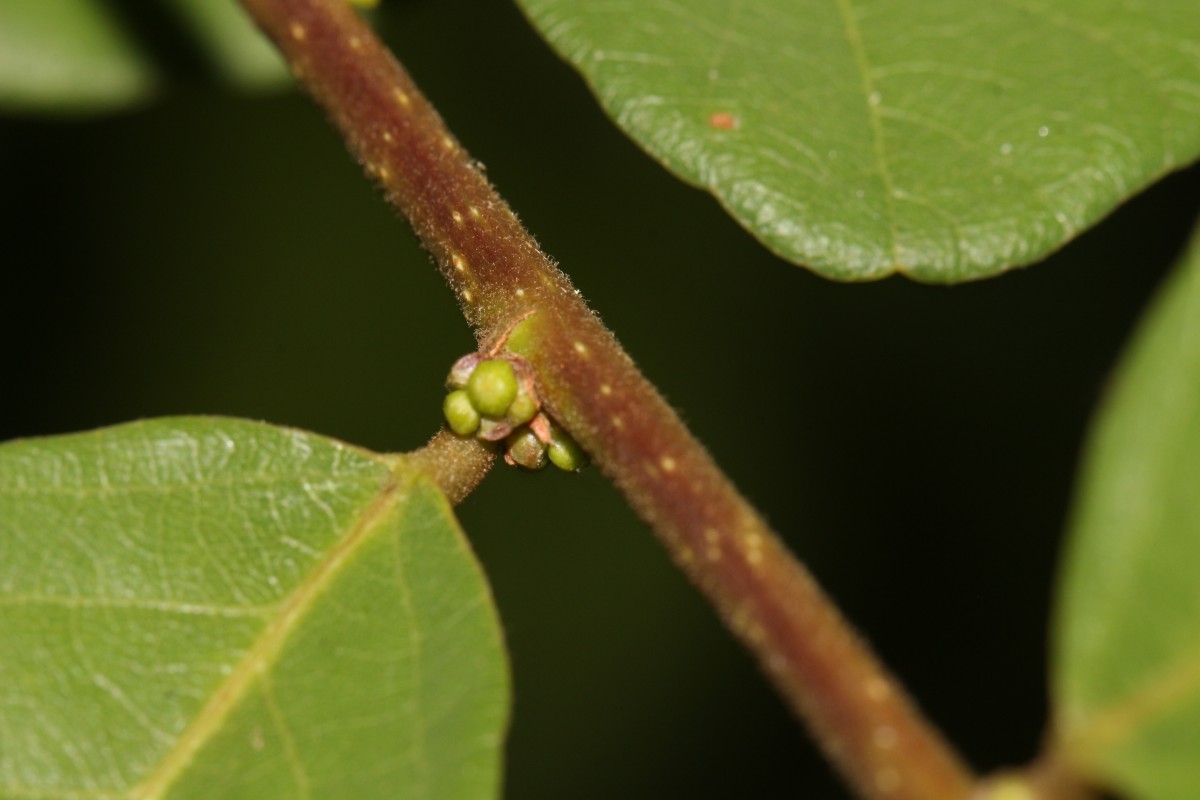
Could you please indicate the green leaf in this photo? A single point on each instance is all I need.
(216, 608)
(1127, 671)
(84, 55)
(68, 54)
(235, 47)
(943, 139)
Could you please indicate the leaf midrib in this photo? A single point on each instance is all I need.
(266, 648)
(1110, 727)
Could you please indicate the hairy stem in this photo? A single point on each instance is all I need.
(456, 464)
(858, 713)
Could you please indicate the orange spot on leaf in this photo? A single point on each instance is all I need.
(722, 120)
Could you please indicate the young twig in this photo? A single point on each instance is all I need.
(860, 716)
(456, 464)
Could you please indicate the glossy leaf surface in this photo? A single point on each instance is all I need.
(942, 139)
(1127, 677)
(216, 608)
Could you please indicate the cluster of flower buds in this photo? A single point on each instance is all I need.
(495, 399)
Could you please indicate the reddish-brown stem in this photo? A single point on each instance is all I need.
(861, 717)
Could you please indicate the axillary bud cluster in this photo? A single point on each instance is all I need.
(495, 399)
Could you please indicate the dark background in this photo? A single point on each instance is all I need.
(220, 254)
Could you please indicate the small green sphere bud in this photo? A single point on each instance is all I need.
(492, 387)
(525, 450)
(523, 409)
(461, 416)
(565, 453)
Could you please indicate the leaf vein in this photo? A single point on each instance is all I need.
(168, 606)
(267, 647)
(875, 122)
(420, 748)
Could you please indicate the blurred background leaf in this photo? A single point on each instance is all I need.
(942, 139)
(1127, 672)
(82, 56)
(232, 46)
(69, 54)
(219, 254)
(201, 607)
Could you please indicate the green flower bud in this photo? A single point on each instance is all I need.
(523, 409)
(492, 387)
(525, 450)
(460, 414)
(565, 453)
